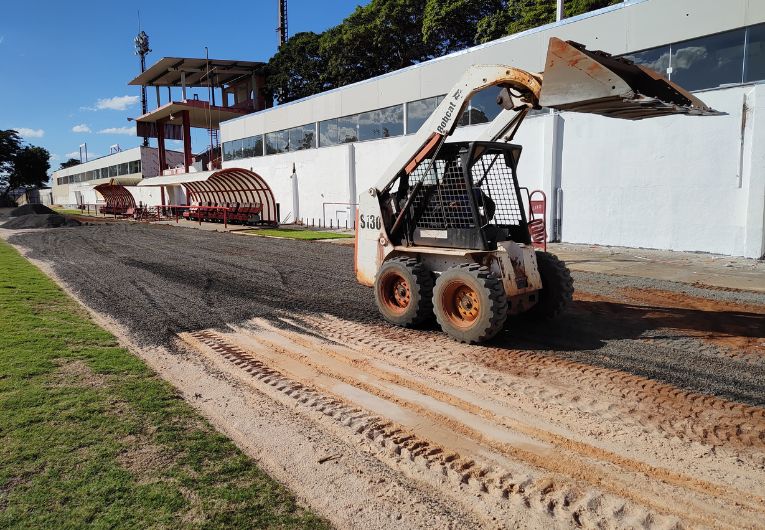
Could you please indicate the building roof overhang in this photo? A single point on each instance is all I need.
(201, 113)
(169, 71)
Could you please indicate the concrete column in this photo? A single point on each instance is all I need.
(552, 175)
(161, 146)
(295, 195)
(753, 174)
(352, 195)
(188, 158)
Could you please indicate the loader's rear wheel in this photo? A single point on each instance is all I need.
(470, 303)
(404, 292)
(557, 287)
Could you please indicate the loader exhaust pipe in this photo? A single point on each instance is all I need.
(595, 82)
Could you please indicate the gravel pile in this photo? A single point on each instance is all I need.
(52, 220)
(28, 209)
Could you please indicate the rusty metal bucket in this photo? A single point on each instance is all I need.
(595, 82)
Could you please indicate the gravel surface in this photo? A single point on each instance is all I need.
(160, 280)
(598, 283)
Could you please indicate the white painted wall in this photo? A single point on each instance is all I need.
(669, 183)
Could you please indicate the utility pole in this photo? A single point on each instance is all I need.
(142, 49)
(282, 28)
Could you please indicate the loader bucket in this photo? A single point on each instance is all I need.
(594, 82)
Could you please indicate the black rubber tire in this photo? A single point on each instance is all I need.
(489, 293)
(557, 287)
(420, 284)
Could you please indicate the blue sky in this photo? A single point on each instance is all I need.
(66, 65)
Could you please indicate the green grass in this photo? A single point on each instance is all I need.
(68, 211)
(90, 436)
(292, 233)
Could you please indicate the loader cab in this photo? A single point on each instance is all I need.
(467, 197)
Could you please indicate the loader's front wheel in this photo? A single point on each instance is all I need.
(470, 303)
(404, 292)
(557, 287)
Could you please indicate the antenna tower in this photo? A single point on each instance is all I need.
(282, 28)
(141, 42)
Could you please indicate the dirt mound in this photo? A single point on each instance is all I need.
(28, 209)
(53, 220)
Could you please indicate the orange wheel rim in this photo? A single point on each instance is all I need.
(395, 292)
(461, 304)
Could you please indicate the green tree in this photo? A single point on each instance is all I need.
(452, 25)
(572, 8)
(520, 15)
(30, 167)
(383, 36)
(10, 143)
(298, 69)
(69, 163)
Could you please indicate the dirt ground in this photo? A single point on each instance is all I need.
(644, 406)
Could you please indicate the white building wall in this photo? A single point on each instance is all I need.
(66, 194)
(670, 183)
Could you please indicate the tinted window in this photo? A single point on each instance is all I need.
(277, 142)
(465, 118)
(709, 62)
(236, 147)
(328, 133)
(347, 129)
(252, 146)
(112, 171)
(391, 121)
(755, 54)
(368, 128)
(302, 137)
(135, 166)
(381, 123)
(657, 59)
(123, 169)
(417, 112)
(232, 150)
(483, 106)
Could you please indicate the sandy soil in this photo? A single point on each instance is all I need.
(642, 407)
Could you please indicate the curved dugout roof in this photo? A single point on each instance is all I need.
(116, 196)
(224, 186)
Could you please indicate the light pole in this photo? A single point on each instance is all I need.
(141, 42)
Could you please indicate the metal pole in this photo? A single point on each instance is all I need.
(282, 28)
(559, 11)
(142, 49)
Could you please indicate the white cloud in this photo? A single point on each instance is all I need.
(81, 128)
(2, 39)
(76, 155)
(26, 132)
(115, 103)
(54, 157)
(128, 131)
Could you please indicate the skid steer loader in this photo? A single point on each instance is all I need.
(444, 230)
